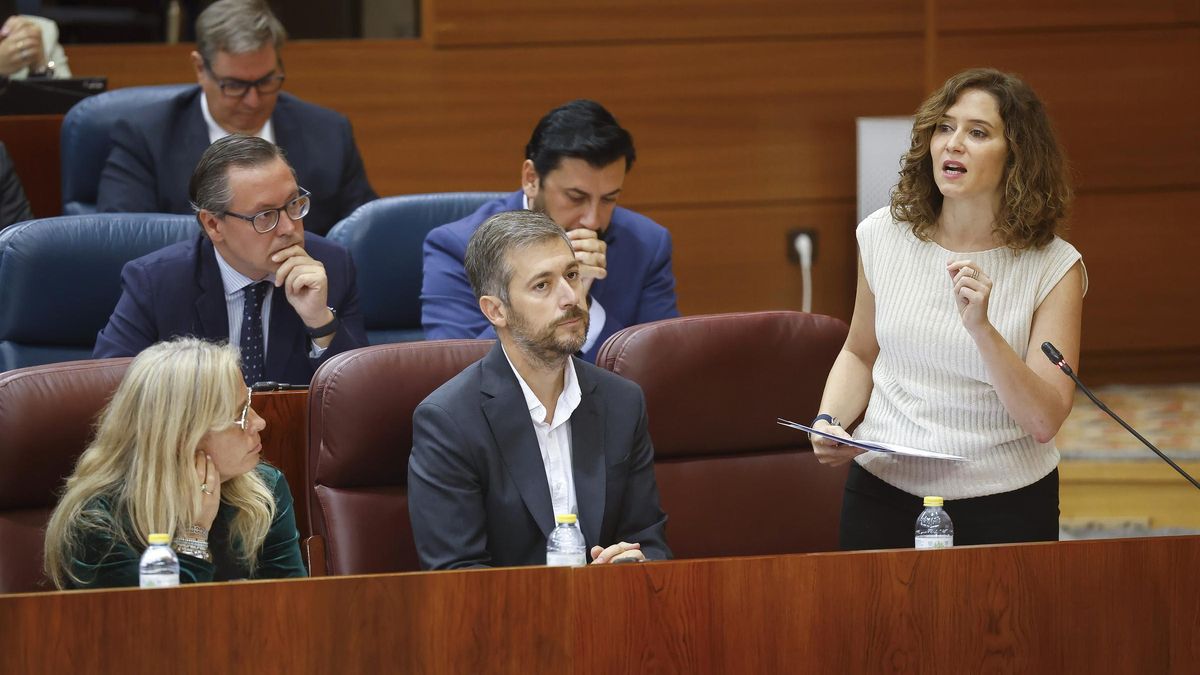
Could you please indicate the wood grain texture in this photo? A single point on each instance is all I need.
(965, 15)
(1110, 94)
(734, 258)
(1147, 492)
(478, 22)
(499, 621)
(1118, 606)
(713, 122)
(284, 443)
(1139, 293)
(1031, 608)
(32, 142)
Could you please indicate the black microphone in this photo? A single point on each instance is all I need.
(1057, 359)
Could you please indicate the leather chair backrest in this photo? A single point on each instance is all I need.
(47, 415)
(385, 237)
(61, 279)
(732, 480)
(85, 139)
(360, 408)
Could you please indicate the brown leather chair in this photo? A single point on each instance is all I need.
(732, 481)
(47, 415)
(360, 407)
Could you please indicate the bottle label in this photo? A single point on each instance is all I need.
(557, 559)
(935, 541)
(159, 580)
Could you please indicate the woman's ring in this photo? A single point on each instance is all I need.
(974, 273)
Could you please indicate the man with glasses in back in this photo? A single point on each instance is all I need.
(240, 73)
(252, 276)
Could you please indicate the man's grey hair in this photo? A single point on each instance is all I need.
(237, 27)
(209, 188)
(486, 261)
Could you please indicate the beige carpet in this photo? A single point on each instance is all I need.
(1168, 416)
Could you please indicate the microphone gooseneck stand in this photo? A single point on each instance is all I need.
(1057, 359)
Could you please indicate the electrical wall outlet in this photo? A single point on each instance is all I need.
(792, 256)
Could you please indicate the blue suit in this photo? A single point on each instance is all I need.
(154, 154)
(177, 290)
(639, 287)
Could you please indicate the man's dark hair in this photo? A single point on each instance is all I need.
(486, 261)
(581, 129)
(209, 188)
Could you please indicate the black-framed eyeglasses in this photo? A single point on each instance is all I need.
(235, 88)
(241, 422)
(265, 221)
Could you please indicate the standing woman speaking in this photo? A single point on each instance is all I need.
(960, 281)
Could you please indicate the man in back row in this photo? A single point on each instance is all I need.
(240, 73)
(574, 170)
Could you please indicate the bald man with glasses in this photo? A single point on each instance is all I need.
(240, 76)
(251, 276)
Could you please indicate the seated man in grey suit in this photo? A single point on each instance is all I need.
(240, 73)
(529, 431)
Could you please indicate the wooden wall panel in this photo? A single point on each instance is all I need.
(714, 123)
(1122, 101)
(480, 22)
(730, 259)
(969, 15)
(1135, 279)
(1139, 317)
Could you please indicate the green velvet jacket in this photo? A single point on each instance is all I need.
(107, 563)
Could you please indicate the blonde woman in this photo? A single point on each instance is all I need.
(177, 451)
(959, 283)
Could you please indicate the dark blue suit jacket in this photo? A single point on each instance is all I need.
(477, 490)
(154, 153)
(177, 290)
(639, 286)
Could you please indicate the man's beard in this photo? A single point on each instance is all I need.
(545, 346)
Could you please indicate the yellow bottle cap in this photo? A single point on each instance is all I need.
(159, 538)
(565, 518)
(933, 501)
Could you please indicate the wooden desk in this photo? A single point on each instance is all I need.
(1116, 606)
(285, 442)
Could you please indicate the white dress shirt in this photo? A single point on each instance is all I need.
(554, 438)
(596, 313)
(234, 284)
(216, 132)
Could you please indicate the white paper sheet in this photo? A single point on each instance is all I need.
(876, 446)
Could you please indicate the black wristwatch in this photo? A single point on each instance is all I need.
(828, 418)
(328, 329)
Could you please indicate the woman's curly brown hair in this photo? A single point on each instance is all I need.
(1037, 192)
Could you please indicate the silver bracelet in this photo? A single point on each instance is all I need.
(193, 547)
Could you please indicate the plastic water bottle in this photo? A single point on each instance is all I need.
(934, 529)
(565, 546)
(160, 566)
